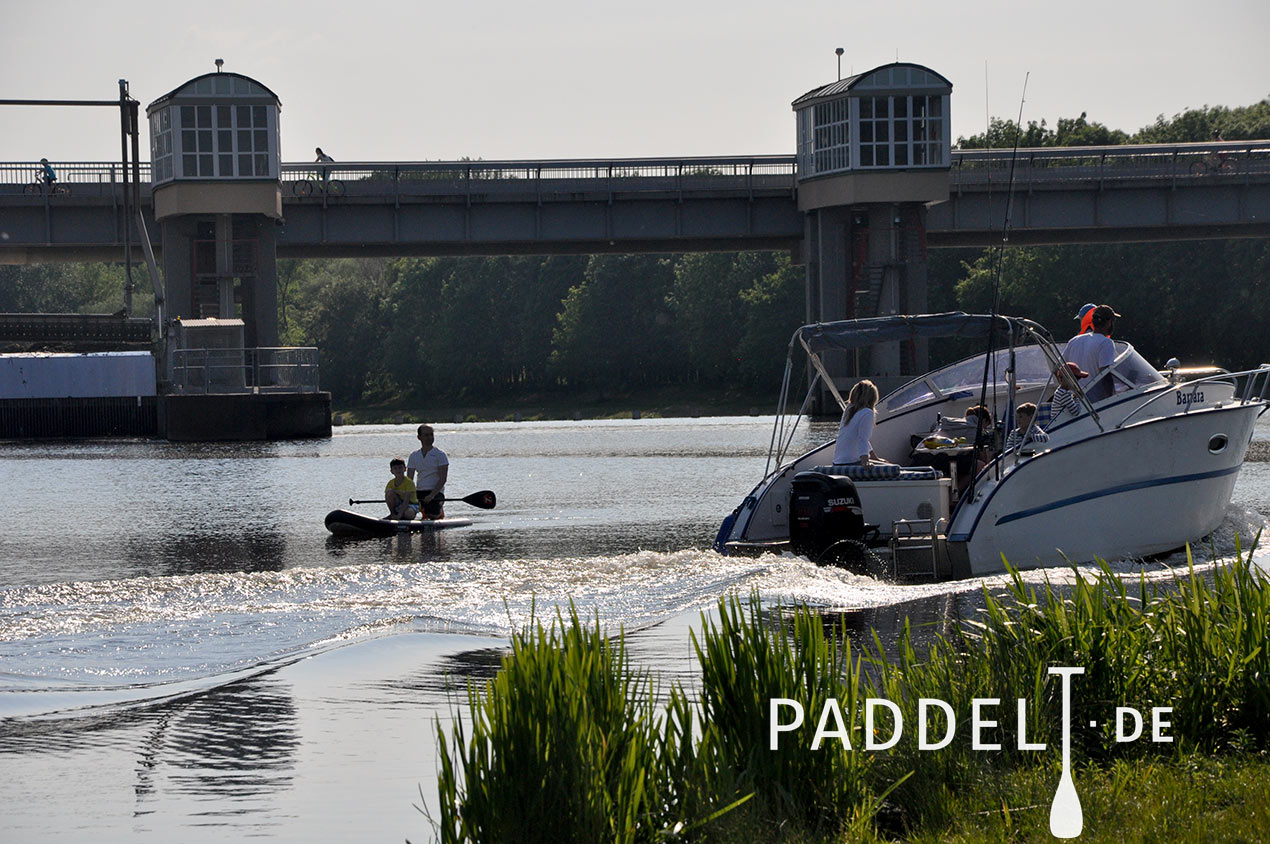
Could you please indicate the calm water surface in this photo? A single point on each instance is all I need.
(187, 655)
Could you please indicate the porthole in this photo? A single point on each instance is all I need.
(1217, 444)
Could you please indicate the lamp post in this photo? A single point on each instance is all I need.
(839, 53)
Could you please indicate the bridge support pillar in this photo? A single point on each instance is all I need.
(223, 266)
(868, 260)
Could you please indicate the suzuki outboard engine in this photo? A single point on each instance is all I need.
(826, 522)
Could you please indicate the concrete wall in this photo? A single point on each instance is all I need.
(42, 375)
(245, 417)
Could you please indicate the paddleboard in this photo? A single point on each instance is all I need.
(348, 523)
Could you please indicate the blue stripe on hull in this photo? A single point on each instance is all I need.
(1115, 490)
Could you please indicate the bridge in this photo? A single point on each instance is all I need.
(875, 183)
(1057, 195)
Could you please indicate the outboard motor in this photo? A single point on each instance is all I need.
(826, 521)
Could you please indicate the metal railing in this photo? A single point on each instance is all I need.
(545, 178)
(77, 173)
(1173, 163)
(284, 369)
(1256, 385)
(970, 169)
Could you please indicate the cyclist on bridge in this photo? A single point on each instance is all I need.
(47, 175)
(324, 158)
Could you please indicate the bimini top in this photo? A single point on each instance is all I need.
(897, 77)
(218, 87)
(858, 333)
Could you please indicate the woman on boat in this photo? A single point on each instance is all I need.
(856, 428)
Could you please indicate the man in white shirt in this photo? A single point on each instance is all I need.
(1094, 352)
(432, 468)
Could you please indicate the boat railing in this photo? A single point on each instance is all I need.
(1256, 387)
(283, 369)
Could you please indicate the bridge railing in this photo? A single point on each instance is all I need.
(545, 178)
(1097, 165)
(285, 369)
(971, 168)
(80, 174)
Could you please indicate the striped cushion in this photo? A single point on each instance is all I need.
(879, 472)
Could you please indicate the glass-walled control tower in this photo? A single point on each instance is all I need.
(873, 153)
(215, 162)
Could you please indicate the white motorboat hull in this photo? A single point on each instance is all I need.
(1145, 470)
(1147, 488)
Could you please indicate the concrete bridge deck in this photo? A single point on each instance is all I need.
(1059, 195)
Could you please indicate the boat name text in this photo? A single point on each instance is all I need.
(1190, 398)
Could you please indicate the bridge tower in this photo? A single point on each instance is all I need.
(215, 164)
(873, 153)
(215, 181)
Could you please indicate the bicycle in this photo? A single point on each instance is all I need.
(39, 186)
(1214, 162)
(305, 187)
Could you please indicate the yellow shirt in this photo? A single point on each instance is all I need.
(404, 488)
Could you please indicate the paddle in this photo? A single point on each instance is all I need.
(485, 499)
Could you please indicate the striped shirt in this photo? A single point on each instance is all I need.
(1062, 402)
(1015, 439)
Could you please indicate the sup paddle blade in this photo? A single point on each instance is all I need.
(485, 499)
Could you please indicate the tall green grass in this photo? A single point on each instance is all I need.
(568, 744)
(748, 658)
(567, 730)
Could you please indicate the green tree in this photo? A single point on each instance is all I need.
(705, 301)
(775, 306)
(1192, 125)
(347, 324)
(615, 327)
(91, 288)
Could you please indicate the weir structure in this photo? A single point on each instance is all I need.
(874, 183)
(217, 197)
(216, 370)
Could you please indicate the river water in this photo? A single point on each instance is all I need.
(187, 655)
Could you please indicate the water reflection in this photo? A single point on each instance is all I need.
(237, 743)
(450, 676)
(211, 552)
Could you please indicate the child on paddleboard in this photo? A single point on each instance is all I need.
(400, 494)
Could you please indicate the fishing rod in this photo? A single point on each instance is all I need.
(989, 363)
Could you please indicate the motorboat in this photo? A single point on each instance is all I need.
(1143, 469)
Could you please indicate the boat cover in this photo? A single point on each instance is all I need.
(858, 333)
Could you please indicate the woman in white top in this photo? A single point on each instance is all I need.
(856, 428)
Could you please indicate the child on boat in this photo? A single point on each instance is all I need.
(1064, 399)
(399, 493)
(1024, 414)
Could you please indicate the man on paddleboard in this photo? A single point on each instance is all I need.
(428, 468)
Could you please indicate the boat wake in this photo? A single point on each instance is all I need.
(76, 648)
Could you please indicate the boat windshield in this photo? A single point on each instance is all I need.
(967, 374)
(1132, 371)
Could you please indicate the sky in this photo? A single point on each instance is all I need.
(379, 80)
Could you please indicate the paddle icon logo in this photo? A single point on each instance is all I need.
(1066, 818)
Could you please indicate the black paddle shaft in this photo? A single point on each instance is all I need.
(485, 499)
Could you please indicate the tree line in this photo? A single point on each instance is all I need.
(416, 330)
(483, 328)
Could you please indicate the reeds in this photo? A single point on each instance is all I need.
(567, 743)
